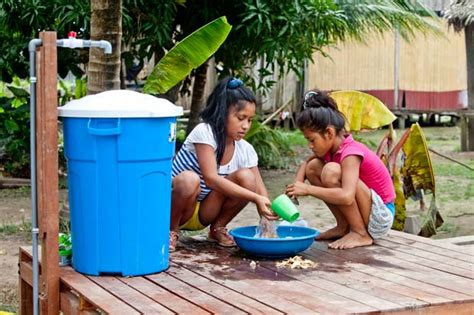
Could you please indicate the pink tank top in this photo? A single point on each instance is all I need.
(372, 170)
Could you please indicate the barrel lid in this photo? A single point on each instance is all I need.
(120, 103)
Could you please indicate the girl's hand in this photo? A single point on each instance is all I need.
(297, 189)
(263, 208)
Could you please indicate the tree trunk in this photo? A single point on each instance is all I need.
(106, 24)
(197, 102)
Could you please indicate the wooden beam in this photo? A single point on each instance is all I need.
(442, 309)
(71, 305)
(467, 122)
(25, 297)
(47, 171)
(94, 294)
(26, 272)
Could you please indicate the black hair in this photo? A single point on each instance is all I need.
(228, 92)
(318, 111)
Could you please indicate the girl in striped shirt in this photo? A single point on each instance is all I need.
(215, 173)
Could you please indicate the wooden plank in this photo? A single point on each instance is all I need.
(25, 297)
(26, 253)
(441, 256)
(443, 309)
(434, 274)
(354, 288)
(243, 280)
(26, 272)
(25, 289)
(391, 269)
(96, 295)
(434, 247)
(428, 259)
(458, 240)
(133, 297)
(366, 281)
(220, 292)
(194, 295)
(164, 297)
(449, 249)
(70, 305)
(47, 171)
(222, 265)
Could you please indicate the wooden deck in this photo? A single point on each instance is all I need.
(401, 274)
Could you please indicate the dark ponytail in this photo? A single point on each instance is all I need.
(228, 92)
(318, 111)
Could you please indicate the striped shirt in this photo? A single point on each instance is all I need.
(186, 159)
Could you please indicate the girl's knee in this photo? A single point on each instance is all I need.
(331, 175)
(246, 178)
(313, 171)
(186, 184)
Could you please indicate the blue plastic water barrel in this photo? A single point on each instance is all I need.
(119, 147)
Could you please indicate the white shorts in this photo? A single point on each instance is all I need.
(380, 219)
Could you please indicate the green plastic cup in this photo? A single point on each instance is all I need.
(284, 207)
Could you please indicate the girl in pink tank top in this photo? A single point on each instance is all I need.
(352, 181)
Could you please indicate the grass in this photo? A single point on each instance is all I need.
(22, 229)
(8, 308)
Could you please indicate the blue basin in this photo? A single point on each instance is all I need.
(291, 240)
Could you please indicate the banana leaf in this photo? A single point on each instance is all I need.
(400, 203)
(187, 55)
(417, 173)
(362, 110)
(388, 153)
(417, 169)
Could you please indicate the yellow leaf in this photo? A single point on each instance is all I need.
(362, 110)
(400, 208)
(417, 170)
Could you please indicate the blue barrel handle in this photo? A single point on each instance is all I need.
(104, 132)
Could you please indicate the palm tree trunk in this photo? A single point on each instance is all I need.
(197, 102)
(106, 24)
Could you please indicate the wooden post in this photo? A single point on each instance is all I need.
(47, 172)
(467, 121)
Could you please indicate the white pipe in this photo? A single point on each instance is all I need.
(73, 42)
(34, 219)
(70, 42)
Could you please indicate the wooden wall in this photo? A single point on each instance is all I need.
(432, 70)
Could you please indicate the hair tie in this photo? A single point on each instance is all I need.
(307, 97)
(234, 83)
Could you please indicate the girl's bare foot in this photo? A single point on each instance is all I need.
(335, 232)
(351, 240)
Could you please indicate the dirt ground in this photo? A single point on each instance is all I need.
(454, 196)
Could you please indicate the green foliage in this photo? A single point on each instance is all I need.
(147, 29)
(20, 21)
(15, 125)
(283, 33)
(65, 244)
(14, 130)
(270, 144)
(295, 138)
(287, 33)
(187, 55)
(365, 16)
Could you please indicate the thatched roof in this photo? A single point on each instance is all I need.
(460, 13)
